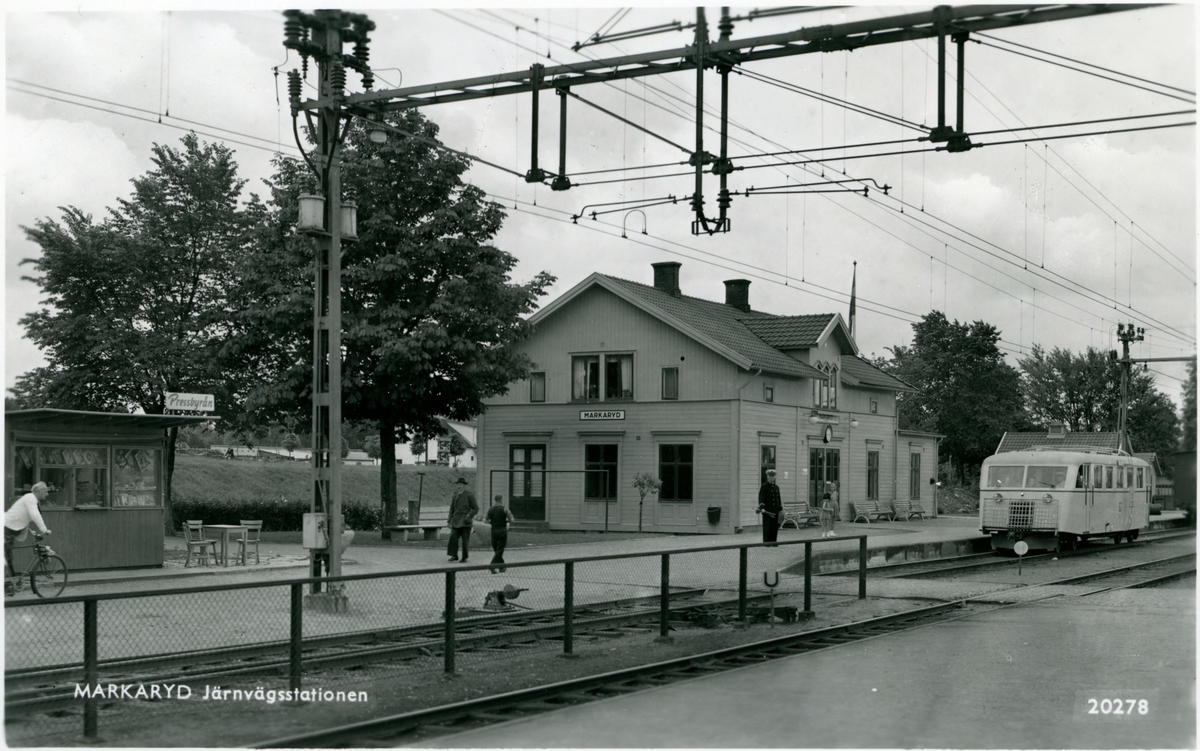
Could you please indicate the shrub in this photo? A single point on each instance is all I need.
(278, 515)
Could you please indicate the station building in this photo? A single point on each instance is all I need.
(706, 396)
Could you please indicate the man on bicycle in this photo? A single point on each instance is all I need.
(17, 520)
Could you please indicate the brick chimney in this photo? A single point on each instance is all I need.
(666, 277)
(737, 294)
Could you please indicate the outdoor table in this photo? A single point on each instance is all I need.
(225, 529)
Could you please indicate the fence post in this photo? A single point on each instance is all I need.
(743, 566)
(664, 599)
(808, 578)
(295, 656)
(91, 667)
(569, 609)
(449, 646)
(862, 567)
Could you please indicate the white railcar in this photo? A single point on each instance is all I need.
(1055, 499)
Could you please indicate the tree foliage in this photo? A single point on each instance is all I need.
(1084, 391)
(1189, 409)
(135, 305)
(964, 389)
(428, 308)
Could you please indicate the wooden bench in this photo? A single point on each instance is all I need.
(430, 530)
(907, 509)
(799, 514)
(867, 509)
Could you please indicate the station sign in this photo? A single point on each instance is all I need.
(609, 414)
(191, 402)
(819, 418)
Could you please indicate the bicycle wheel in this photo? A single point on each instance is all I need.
(49, 576)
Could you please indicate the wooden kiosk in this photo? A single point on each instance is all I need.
(105, 474)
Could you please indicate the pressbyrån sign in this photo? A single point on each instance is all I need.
(612, 414)
(195, 402)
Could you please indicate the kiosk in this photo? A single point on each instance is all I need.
(105, 475)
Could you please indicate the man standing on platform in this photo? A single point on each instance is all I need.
(770, 505)
(499, 517)
(463, 509)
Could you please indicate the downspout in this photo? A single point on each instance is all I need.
(737, 458)
(937, 466)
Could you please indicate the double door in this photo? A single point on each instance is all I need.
(824, 465)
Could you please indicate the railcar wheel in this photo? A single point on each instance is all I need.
(1067, 542)
(1134, 534)
(1117, 538)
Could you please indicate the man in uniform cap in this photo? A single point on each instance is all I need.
(770, 505)
(463, 509)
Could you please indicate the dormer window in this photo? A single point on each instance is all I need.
(825, 391)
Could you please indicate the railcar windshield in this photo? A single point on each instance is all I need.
(1005, 477)
(1054, 478)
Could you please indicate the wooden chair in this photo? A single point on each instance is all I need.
(253, 532)
(193, 534)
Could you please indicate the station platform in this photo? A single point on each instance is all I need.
(887, 542)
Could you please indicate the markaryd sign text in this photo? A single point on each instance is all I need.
(602, 414)
(193, 402)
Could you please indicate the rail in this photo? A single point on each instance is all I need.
(693, 564)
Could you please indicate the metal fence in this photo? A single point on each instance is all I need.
(81, 649)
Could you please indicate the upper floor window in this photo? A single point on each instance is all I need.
(768, 392)
(618, 376)
(825, 391)
(537, 387)
(592, 375)
(670, 383)
(874, 406)
(585, 377)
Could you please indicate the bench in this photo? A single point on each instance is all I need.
(430, 530)
(907, 509)
(867, 509)
(799, 514)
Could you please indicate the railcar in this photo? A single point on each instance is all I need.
(1055, 499)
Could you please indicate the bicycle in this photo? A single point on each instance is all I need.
(47, 572)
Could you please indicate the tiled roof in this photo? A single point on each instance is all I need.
(789, 332)
(1025, 441)
(870, 376)
(725, 324)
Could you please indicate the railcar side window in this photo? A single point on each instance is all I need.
(1081, 477)
(1054, 478)
(1005, 477)
(1140, 478)
(1098, 476)
(1120, 477)
(1129, 477)
(1108, 477)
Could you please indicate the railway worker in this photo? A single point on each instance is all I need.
(463, 509)
(17, 520)
(499, 517)
(770, 505)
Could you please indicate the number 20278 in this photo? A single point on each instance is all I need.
(1118, 706)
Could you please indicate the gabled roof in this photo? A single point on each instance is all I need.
(867, 375)
(719, 327)
(790, 332)
(1067, 441)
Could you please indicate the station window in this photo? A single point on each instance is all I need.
(768, 392)
(585, 377)
(600, 485)
(670, 383)
(872, 475)
(675, 471)
(618, 376)
(874, 406)
(537, 387)
(766, 461)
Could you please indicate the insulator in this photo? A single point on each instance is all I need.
(293, 30)
(362, 53)
(337, 78)
(304, 65)
(294, 89)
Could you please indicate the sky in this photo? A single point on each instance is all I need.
(1051, 241)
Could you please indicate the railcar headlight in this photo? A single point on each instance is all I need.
(997, 498)
(1047, 498)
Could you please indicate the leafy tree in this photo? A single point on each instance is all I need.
(136, 304)
(454, 448)
(1189, 409)
(371, 444)
(428, 309)
(291, 442)
(965, 390)
(1084, 392)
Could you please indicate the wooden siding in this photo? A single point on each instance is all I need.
(598, 322)
(105, 538)
(645, 427)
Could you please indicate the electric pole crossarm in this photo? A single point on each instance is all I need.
(846, 36)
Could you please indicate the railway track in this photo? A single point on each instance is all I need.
(413, 728)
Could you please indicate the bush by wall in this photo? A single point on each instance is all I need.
(278, 515)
